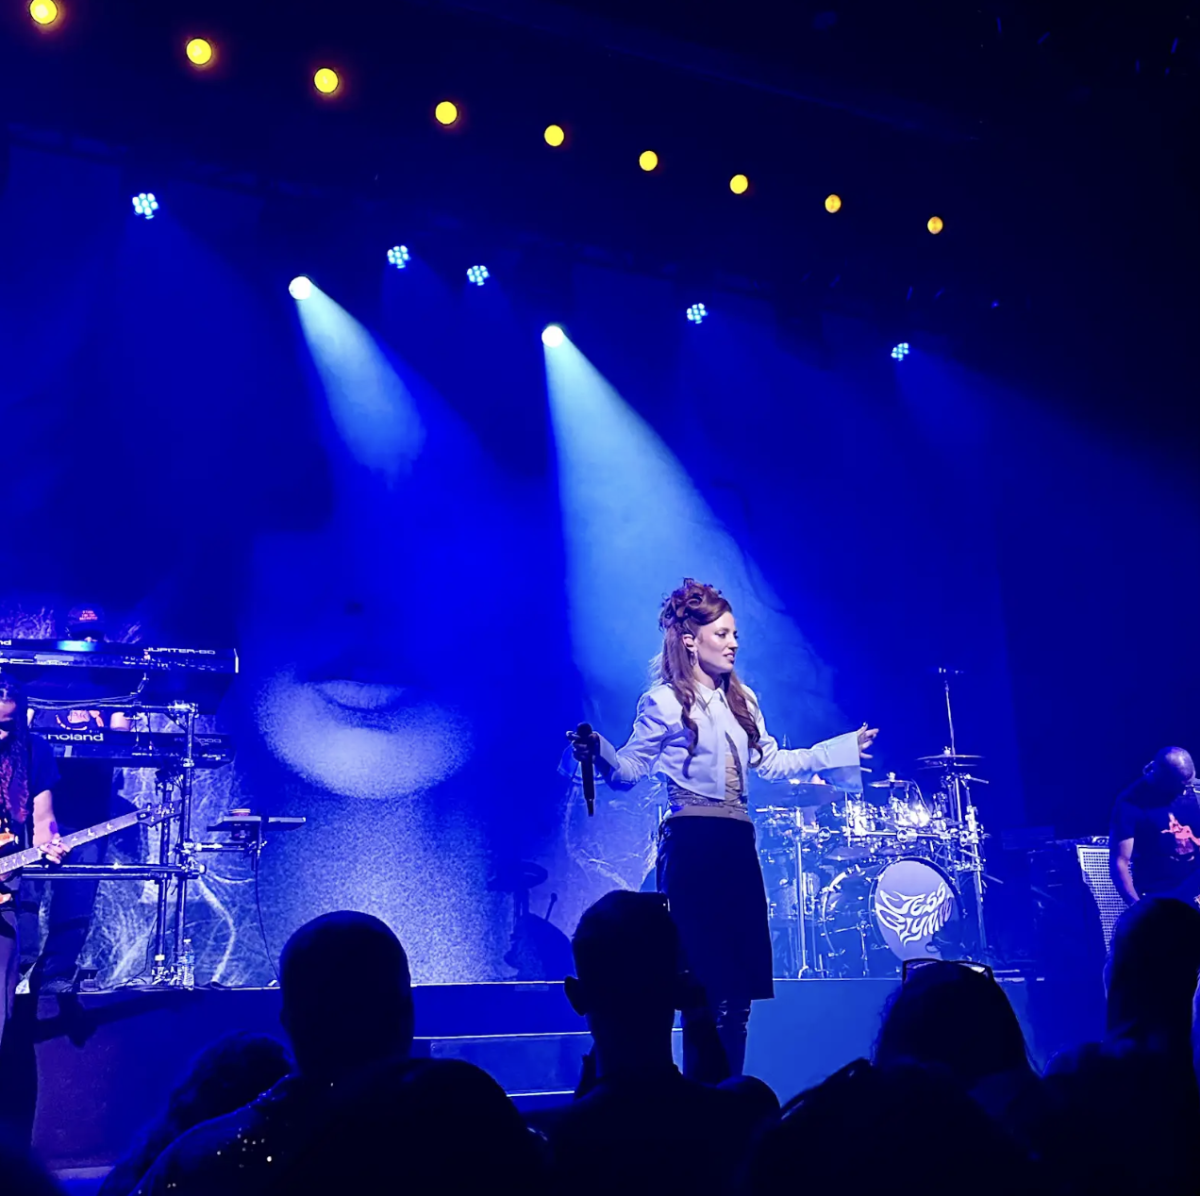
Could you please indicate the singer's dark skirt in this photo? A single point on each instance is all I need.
(709, 870)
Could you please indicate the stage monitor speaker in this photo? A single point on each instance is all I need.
(1093, 863)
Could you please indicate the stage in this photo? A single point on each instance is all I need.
(350, 467)
(96, 1068)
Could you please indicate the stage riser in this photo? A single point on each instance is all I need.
(104, 1069)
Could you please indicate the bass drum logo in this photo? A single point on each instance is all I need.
(913, 902)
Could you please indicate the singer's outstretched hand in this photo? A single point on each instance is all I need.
(866, 737)
(586, 747)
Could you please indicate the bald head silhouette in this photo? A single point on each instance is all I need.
(1172, 770)
(347, 994)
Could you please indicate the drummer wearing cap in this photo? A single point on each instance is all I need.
(82, 798)
(702, 730)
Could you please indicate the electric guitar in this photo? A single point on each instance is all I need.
(150, 816)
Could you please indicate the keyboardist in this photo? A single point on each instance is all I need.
(83, 797)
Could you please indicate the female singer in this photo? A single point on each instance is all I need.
(702, 730)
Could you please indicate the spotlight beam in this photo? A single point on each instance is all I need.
(373, 412)
(632, 520)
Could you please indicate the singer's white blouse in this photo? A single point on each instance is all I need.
(659, 745)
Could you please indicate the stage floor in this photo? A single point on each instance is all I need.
(91, 1070)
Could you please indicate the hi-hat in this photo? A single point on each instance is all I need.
(893, 782)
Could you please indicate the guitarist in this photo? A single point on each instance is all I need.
(83, 796)
(27, 776)
(1154, 843)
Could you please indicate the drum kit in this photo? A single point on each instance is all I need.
(859, 882)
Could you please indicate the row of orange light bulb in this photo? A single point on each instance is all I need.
(202, 54)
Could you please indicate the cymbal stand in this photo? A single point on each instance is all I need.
(806, 942)
(949, 787)
(971, 858)
(957, 788)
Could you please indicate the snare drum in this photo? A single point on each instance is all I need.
(875, 915)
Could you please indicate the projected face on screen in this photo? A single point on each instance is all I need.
(359, 631)
(362, 683)
(355, 681)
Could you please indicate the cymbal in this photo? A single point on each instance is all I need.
(847, 778)
(890, 783)
(804, 793)
(949, 760)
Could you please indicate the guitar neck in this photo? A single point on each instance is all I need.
(32, 855)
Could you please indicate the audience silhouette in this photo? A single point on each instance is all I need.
(20, 1174)
(336, 1030)
(898, 1130)
(223, 1077)
(425, 1126)
(1138, 1085)
(950, 1018)
(642, 1126)
(949, 1103)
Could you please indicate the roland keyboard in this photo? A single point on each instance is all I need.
(137, 749)
(58, 671)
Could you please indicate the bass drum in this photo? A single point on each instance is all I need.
(874, 916)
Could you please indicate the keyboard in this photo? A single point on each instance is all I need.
(137, 749)
(76, 671)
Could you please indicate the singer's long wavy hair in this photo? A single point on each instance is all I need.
(14, 757)
(684, 612)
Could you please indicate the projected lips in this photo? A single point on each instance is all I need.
(365, 698)
(362, 739)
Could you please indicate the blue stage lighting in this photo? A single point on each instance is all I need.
(478, 275)
(697, 313)
(145, 205)
(399, 256)
(553, 336)
(901, 351)
(300, 287)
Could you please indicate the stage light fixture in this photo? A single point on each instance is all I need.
(648, 160)
(326, 81)
(446, 113)
(145, 205)
(399, 256)
(44, 12)
(554, 136)
(901, 351)
(833, 203)
(935, 225)
(300, 287)
(739, 184)
(478, 275)
(553, 336)
(199, 51)
(697, 313)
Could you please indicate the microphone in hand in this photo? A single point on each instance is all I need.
(584, 741)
